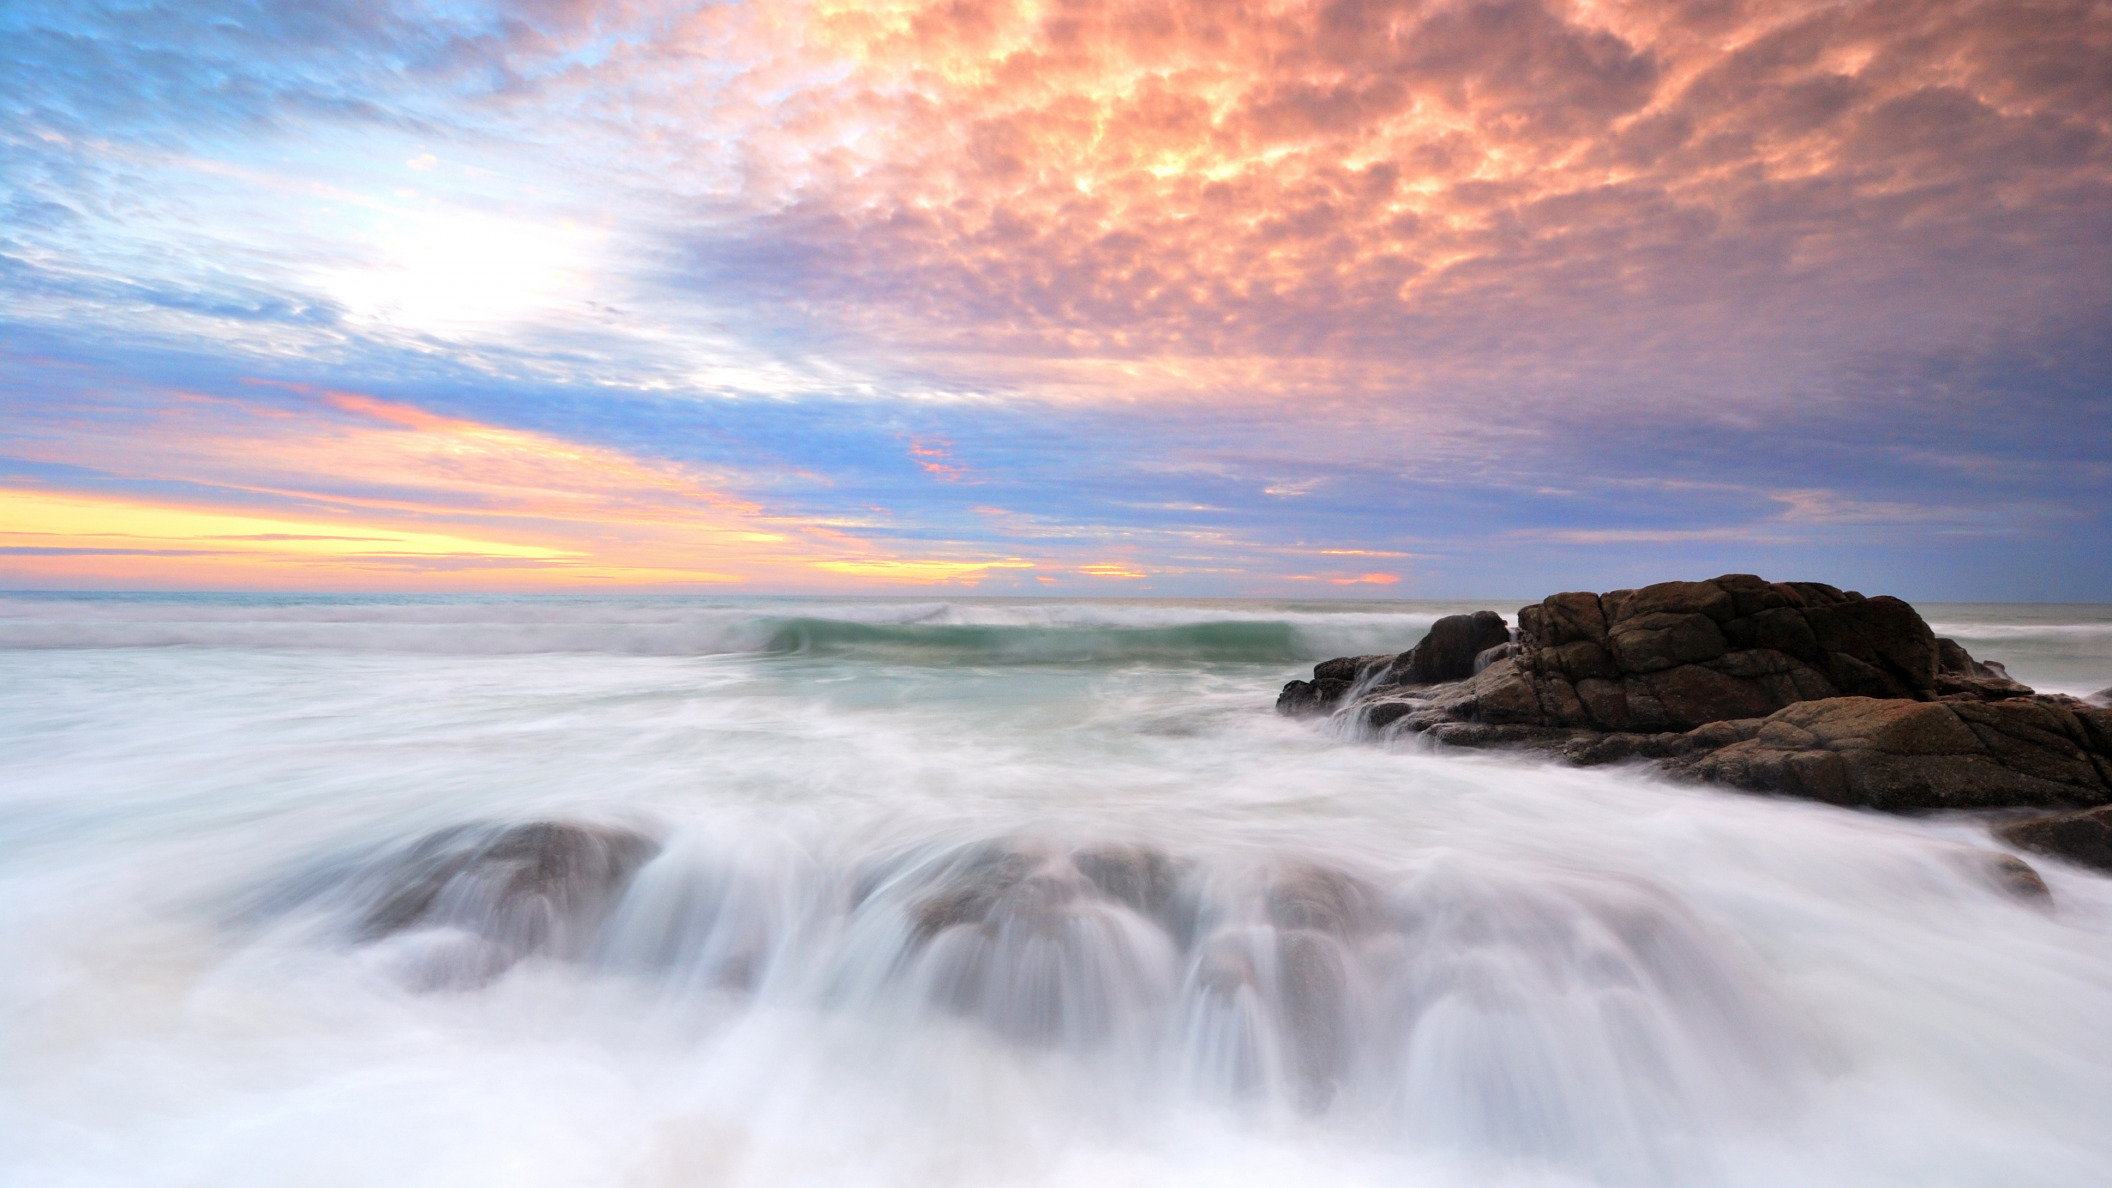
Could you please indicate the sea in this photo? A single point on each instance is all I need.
(955, 891)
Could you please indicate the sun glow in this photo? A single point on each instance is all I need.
(46, 520)
(451, 268)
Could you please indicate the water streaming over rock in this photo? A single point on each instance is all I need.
(633, 891)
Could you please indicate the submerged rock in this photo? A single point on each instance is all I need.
(501, 892)
(2016, 877)
(1797, 688)
(2084, 838)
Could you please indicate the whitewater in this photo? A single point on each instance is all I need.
(968, 892)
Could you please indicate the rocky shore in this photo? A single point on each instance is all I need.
(1794, 688)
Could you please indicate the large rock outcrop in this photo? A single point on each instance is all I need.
(1678, 655)
(1796, 688)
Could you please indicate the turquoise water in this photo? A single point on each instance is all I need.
(1565, 976)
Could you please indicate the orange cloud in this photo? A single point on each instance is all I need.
(352, 491)
(1168, 197)
(936, 459)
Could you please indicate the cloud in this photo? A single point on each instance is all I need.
(1485, 194)
(326, 488)
(1476, 273)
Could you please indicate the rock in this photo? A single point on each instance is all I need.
(1314, 980)
(1905, 755)
(1660, 640)
(1959, 676)
(1797, 688)
(972, 889)
(1675, 656)
(2006, 873)
(1310, 697)
(1332, 679)
(1350, 668)
(1317, 899)
(2102, 698)
(1315, 909)
(1448, 652)
(1692, 695)
(1041, 946)
(1952, 686)
(538, 888)
(2016, 877)
(2084, 838)
(1952, 657)
(1141, 878)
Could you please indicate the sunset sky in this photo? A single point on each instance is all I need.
(1171, 297)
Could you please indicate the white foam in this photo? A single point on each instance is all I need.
(1840, 998)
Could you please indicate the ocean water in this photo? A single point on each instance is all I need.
(968, 893)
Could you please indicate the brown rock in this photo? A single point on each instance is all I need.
(1579, 660)
(1799, 688)
(1558, 701)
(1902, 756)
(1351, 668)
(1447, 652)
(1952, 657)
(1605, 705)
(1657, 641)
(1692, 695)
(2084, 838)
(1878, 647)
(1503, 694)
(1645, 711)
(1779, 629)
(1300, 698)
(1899, 727)
(1565, 618)
(1751, 595)
(2009, 874)
(2096, 725)
(1678, 598)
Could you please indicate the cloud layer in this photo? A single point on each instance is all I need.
(1230, 296)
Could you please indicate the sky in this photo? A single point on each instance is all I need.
(1150, 298)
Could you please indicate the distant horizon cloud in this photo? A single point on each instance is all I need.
(1077, 296)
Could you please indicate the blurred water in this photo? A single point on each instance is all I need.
(968, 893)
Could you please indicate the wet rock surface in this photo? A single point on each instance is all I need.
(2084, 838)
(1906, 755)
(1281, 977)
(2015, 877)
(1796, 688)
(476, 899)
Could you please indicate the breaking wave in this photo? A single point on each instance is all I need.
(992, 631)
